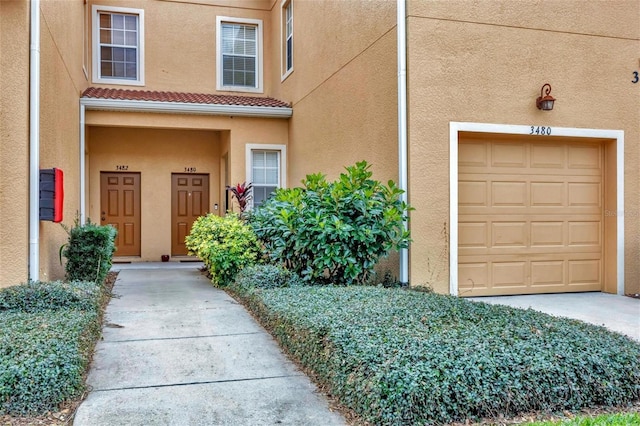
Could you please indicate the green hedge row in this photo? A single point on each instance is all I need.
(47, 334)
(401, 357)
(89, 251)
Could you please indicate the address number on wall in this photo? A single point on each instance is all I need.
(189, 169)
(540, 130)
(122, 167)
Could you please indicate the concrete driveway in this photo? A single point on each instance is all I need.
(617, 313)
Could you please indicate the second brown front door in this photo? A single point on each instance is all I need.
(120, 208)
(189, 200)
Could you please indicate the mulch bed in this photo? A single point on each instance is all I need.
(64, 416)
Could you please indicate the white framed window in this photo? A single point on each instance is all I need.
(118, 45)
(287, 38)
(239, 54)
(266, 170)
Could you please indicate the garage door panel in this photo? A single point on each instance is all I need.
(509, 274)
(548, 194)
(547, 272)
(586, 233)
(508, 193)
(547, 234)
(473, 234)
(473, 193)
(509, 234)
(530, 218)
(545, 156)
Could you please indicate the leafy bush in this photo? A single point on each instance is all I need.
(89, 251)
(402, 357)
(266, 276)
(224, 244)
(333, 232)
(36, 296)
(47, 335)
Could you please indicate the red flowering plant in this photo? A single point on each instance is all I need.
(243, 193)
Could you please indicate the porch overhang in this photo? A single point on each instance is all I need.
(98, 99)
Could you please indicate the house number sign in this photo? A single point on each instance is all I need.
(189, 169)
(122, 167)
(540, 130)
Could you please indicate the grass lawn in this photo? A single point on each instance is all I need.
(399, 357)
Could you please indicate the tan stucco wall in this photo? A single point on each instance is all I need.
(157, 145)
(14, 138)
(486, 62)
(185, 61)
(155, 154)
(61, 82)
(342, 88)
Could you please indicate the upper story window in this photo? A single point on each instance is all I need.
(287, 38)
(118, 38)
(239, 57)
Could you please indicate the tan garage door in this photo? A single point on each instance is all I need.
(530, 217)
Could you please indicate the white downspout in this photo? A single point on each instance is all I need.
(402, 125)
(82, 163)
(34, 142)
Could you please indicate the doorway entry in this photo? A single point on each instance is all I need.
(189, 200)
(120, 208)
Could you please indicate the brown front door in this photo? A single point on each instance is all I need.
(189, 200)
(120, 208)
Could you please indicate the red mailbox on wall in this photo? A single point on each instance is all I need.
(51, 194)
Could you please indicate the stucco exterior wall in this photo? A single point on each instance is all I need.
(155, 154)
(14, 137)
(342, 88)
(485, 62)
(185, 61)
(157, 145)
(61, 82)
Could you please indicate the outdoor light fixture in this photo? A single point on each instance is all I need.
(545, 102)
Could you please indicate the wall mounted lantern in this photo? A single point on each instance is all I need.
(545, 102)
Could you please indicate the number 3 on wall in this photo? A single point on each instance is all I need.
(636, 77)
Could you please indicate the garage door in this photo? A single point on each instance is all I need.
(530, 217)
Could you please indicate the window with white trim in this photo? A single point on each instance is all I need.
(239, 54)
(287, 37)
(266, 169)
(118, 36)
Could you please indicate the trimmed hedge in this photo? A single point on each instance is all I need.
(46, 338)
(89, 252)
(266, 276)
(403, 357)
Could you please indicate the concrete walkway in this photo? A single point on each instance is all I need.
(177, 351)
(617, 313)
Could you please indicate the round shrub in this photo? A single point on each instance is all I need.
(333, 232)
(225, 244)
(89, 251)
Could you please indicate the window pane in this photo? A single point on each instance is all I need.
(271, 158)
(105, 36)
(118, 69)
(261, 193)
(271, 176)
(239, 54)
(118, 37)
(131, 22)
(130, 55)
(131, 70)
(105, 20)
(117, 21)
(106, 53)
(105, 69)
(118, 54)
(131, 38)
(258, 159)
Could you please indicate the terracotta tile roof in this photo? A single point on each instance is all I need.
(190, 98)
